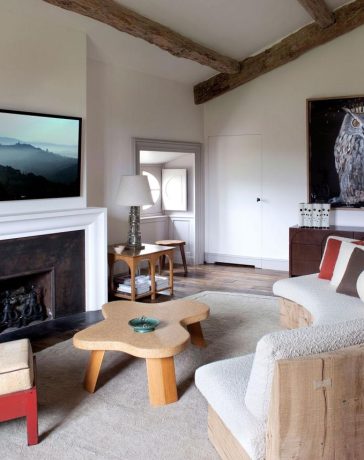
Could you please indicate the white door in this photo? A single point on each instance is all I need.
(233, 227)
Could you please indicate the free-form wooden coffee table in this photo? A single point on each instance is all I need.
(179, 323)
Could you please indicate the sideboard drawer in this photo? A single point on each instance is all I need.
(304, 267)
(306, 252)
(316, 236)
(308, 236)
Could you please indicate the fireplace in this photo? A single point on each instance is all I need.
(41, 277)
(26, 299)
(90, 221)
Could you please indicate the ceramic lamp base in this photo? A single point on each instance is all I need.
(134, 235)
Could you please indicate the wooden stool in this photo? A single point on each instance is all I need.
(18, 393)
(181, 245)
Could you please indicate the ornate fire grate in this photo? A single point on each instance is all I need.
(20, 307)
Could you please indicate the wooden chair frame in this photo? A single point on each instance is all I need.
(22, 404)
(293, 315)
(316, 410)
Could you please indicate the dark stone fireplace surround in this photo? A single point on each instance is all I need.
(54, 262)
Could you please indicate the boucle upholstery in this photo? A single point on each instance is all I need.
(223, 384)
(16, 366)
(320, 298)
(360, 286)
(291, 344)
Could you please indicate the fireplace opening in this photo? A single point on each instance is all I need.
(42, 277)
(26, 299)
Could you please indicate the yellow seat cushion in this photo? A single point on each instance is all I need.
(16, 366)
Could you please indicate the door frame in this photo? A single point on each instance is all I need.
(184, 147)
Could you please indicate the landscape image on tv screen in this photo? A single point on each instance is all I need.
(39, 156)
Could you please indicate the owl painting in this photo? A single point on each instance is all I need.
(349, 157)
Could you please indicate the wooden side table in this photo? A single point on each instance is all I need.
(132, 258)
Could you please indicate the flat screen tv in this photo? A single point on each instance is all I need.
(40, 156)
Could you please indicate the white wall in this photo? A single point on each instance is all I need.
(274, 106)
(123, 104)
(43, 69)
(154, 229)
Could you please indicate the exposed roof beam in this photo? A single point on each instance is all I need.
(348, 17)
(115, 15)
(319, 11)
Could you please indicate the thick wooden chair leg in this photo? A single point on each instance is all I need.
(183, 255)
(32, 418)
(93, 370)
(161, 381)
(196, 334)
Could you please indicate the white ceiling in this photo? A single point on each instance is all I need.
(153, 158)
(237, 28)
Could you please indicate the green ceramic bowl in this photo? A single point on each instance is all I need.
(143, 324)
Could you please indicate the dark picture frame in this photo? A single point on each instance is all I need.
(335, 144)
(40, 155)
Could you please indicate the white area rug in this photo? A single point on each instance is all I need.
(117, 421)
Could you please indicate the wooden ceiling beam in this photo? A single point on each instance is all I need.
(117, 16)
(348, 17)
(319, 11)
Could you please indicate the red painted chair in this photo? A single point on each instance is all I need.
(18, 393)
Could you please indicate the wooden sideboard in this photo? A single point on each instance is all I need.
(306, 246)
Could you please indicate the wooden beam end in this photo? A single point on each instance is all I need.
(319, 11)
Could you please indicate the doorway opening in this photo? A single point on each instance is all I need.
(174, 171)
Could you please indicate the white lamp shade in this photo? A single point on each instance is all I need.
(134, 191)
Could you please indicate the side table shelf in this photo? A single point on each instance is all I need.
(132, 258)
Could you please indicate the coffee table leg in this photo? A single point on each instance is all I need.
(196, 334)
(161, 381)
(93, 370)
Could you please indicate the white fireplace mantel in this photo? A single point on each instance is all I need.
(91, 220)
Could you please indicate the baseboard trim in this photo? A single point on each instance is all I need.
(275, 264)
(211, 258)
(266, 263)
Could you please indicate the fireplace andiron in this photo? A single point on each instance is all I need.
(20, 307)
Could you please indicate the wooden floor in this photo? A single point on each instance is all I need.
(220, 277)
(206, 277)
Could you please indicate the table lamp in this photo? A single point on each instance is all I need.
(134, 191)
